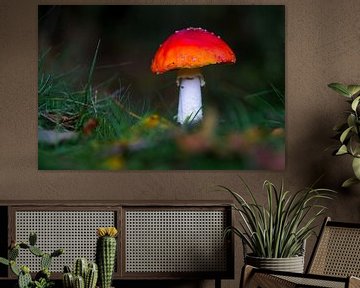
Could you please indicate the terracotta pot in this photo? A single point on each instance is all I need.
(291, 264)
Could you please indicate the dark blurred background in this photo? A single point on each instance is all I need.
(131, 34)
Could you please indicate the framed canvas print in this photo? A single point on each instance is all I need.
(161, 87)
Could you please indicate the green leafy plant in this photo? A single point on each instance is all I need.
(43, 283)
(42, 278)
(349, 132)
(279, 229)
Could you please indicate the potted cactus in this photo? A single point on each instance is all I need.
(42, 278)
(106, 254)
(84, 275)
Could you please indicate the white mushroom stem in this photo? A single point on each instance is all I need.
(190, 82)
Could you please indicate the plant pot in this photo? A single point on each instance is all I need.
(291, 264)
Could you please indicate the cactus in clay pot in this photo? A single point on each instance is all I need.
(106, 254)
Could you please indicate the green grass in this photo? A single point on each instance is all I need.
(112, 132)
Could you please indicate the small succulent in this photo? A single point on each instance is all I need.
(43, 283)
(42, 278)
(349, 132)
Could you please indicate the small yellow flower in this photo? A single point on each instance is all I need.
(112, 231)
(101, 231)
(152, 121)
(278, 132)
(148, 123)
(106, 231)
(155, 121)
(115, 162)
(253, 135)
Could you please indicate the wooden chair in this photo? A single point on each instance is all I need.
(334, 263)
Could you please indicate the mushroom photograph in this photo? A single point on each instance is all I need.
(161, 87)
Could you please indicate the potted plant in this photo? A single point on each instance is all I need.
(106, 254)
(275, 233)
(87, 274)
(348, 133)
(42, 278)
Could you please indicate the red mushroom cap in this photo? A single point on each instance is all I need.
(191, 48)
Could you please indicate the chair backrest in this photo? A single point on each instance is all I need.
(337, 251)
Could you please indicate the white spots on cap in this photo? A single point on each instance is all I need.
(197, 28)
